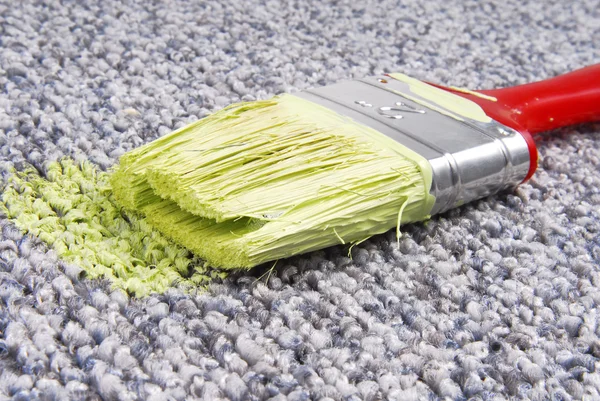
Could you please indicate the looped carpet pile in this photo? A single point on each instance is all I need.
(495, 300)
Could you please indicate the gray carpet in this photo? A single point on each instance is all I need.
(495, 300)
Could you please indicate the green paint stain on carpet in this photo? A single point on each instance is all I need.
(72, 210)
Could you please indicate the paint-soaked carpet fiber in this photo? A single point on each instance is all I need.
(495, 300)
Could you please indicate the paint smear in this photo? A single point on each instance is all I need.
(448, 102)
(470, 92)
(73, 211)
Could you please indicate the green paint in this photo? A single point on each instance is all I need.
(265, 180)
(442, 101)
(253, 183)
(74, 212)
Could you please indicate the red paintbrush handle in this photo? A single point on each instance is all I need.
(568, 99)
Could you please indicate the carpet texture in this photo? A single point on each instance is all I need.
(495, 300)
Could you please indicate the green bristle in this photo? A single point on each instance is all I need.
(129, 181)
(269, 179)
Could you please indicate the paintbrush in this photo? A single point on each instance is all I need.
(264, 180)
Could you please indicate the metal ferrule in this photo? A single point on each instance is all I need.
(469, 159)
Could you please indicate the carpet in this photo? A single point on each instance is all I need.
(494, 300)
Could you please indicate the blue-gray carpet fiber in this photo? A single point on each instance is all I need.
(495, 300)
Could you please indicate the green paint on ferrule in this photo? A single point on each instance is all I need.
(265, 180)
(73, 210)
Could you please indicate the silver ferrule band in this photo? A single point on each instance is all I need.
(469, 159)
